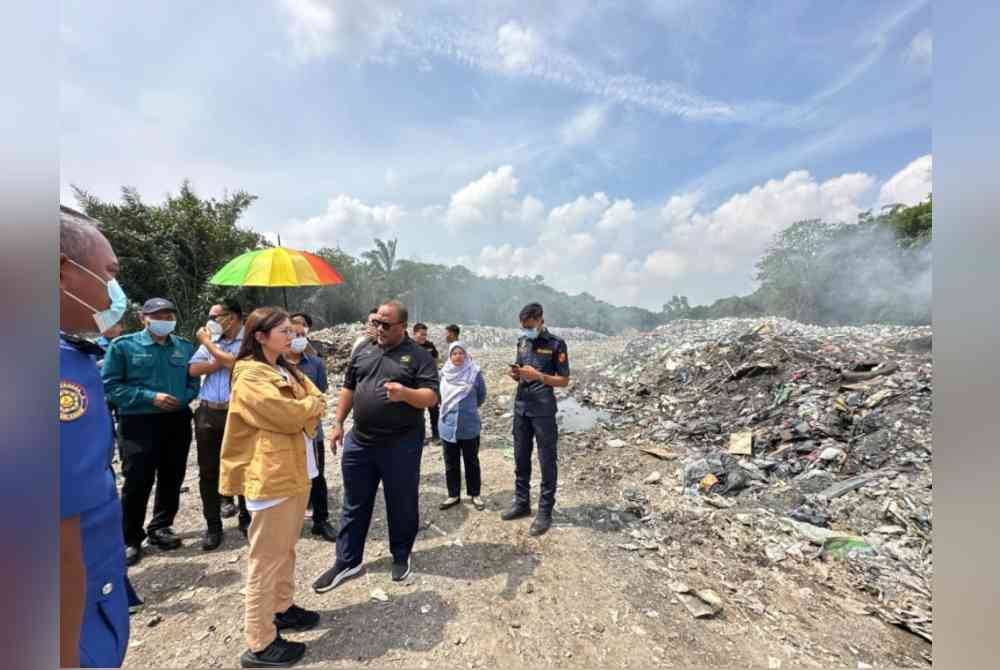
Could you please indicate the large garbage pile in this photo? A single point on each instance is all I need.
(822, 434)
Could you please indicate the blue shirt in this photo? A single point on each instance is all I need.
(136, 368)
(463, 422)
(215, 386)
(314, 368)
(87, 490)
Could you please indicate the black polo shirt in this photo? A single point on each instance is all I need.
(547, 354)
(377, 420)
(430, 348)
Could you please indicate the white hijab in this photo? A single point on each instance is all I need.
(457, 382)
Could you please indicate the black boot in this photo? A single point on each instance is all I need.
(516, 511)
(541, 524)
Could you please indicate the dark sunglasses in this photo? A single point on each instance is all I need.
(386, 325)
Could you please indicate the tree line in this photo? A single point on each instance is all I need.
(814, 271)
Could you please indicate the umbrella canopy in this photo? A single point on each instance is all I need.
(276, 266)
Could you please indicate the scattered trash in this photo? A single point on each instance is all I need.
(703, 603)
(652, 478)
(844, 547)
(379, 595)
(741, 443)
(659, 452)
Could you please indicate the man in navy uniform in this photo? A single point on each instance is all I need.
(542, 363)
(93, 608)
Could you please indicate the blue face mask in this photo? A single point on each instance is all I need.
(530, 333)
(161, 328)
(119, 302)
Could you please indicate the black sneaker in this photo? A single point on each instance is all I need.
(228, 510)
(541, 524)
(335, 576)
(164, 539)
(400, 570)
(296, 618)
(325, 530)
(516, 512)
(281, 653)
(133, 554)
(211, 540)
(245, 527)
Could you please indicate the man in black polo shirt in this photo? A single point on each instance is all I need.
(420, 337)
(389, 383)
(542, 363)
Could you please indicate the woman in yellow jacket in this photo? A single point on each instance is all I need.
(267, 457)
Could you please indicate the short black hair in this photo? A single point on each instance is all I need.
(304, 317)
(232, 306)
(532, 310)
(373, 310)
(401, 311)
(419, 326)
(453, 329)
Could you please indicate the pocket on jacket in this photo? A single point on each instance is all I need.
(273, 464)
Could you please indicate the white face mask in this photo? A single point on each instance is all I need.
(299, 344)
(214, 329)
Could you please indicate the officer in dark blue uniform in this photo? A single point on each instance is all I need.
(542, 363)
(93, 616)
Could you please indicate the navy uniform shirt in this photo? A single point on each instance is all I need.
(377, 421)
(547, 354)
(87, 489)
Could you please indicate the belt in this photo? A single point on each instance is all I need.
(214, 405)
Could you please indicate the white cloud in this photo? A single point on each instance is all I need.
(354, 30)
(584, 125)
(347, 223)
(665, 263)
(921, 49)
(484, 200)
(618, 216)
(582, 212)
(679, 208)
(910, 185)
(517, 46)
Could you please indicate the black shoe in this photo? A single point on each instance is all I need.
(164, 539)
(228, 510)
(211, 540)
(335, 576)
(245, 527)
(133, 554)
(541, 524)
(296, 618)
(281, 653)
(516, 512)
(324, 529)
(400, 571)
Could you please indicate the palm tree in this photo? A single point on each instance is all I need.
(382, 260)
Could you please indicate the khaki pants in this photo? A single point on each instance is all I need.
(271, 570)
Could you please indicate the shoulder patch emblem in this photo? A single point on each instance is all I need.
(405, 358)
(72, 401)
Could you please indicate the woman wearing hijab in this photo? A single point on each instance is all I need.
(463, 391)
(267, 456)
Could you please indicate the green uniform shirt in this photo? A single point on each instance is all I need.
(136, 368)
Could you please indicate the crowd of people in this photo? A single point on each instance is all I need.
(260, 392)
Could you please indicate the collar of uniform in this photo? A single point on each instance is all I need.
(146, 340)
(238, 338)
(402, 342)
(80, 344)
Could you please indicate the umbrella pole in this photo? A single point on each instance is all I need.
(284, 292)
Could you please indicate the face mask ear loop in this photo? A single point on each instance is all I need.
(90, 307)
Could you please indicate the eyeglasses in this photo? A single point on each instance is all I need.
(383, 325)
(218, 316)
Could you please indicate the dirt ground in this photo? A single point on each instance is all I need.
(485, 594)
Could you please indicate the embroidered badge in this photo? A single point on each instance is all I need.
(547, 352)
(405, 359)
(72, 401)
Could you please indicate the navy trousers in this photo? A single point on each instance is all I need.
(543, 430)
(397, 467)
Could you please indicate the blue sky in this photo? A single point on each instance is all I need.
(630, 149)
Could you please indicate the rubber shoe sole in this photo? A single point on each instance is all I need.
(342, 576)
(402, 576)
(248, 660)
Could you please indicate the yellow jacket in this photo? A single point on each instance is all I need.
(263, 450)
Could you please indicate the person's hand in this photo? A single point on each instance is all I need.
(166, 402)
(514, 373)
(394, 391)
(203, 336)
(529, 373)
(336, 437)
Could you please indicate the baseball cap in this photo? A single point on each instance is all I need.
(157, 304)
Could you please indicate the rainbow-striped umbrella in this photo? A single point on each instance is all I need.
(276, 266)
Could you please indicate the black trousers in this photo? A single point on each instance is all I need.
(435, 413)
(209, 427)
(153, 448)
(397, 467)
(318, 494)
(454, 454)
(543, 430)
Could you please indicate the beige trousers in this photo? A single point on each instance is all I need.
(271, 569)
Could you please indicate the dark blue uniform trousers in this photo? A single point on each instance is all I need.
(397, 467)
(544, 432)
